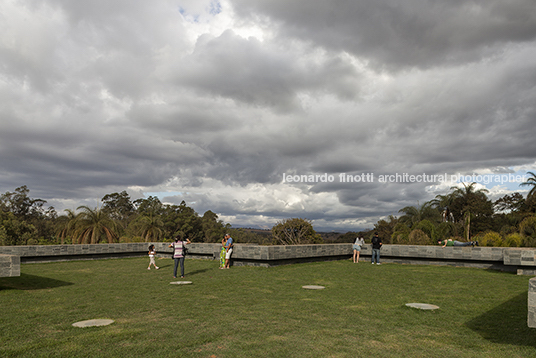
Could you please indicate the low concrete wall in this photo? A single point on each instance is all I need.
(520, 260)
(9, 265)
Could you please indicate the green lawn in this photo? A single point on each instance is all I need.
(263, 312)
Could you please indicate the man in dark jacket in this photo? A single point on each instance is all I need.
(376, 246)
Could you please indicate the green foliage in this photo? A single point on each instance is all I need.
(419, 237)
(385, 229)
(413, 215)
(213, 229)
(25, 219)
(295, 231)
(531, 182)
(513, 240)
(16, 231)
(427, 227)
(94, 226)
(447, 229)
(149, 227)
(400, 234)
(489, 238)
(527, 229)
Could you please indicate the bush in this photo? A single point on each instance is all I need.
(419, 237)
(513, 240)
(490, 238)
(401, 234)
(427, 227)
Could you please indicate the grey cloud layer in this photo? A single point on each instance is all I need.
(102, 96)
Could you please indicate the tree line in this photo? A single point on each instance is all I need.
(26, 221)
(466, 214)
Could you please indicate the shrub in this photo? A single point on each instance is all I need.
(446, 229)
(513, 240)
(401, 234)
(527, 229)
(427, 227)
(490, 238)
(419, 237)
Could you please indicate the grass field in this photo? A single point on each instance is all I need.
(263, 312)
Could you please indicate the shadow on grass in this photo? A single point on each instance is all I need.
(30, 282)
(196, 271)
(506, 323)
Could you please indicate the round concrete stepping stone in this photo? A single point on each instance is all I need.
(93, 323)
(181, 283)
(313, 287)
(422, 306)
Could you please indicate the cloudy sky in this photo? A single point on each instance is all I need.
(218, 103)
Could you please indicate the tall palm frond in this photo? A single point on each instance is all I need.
(530, 182)
(94, 225)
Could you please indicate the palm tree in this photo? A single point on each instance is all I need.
(67, 225)
(530, 182)
(466, 196)
(413, 215)
(149, 226)
(443, 204)
(94, 225)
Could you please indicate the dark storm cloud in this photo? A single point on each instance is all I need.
(393, 34)
(264, 74)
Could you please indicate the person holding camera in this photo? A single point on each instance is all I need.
(178, 255)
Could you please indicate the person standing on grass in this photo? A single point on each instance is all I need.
(223, 252)
(152, 254)
(178, 255)
(359, 241)
(376, 246)
(229, 250)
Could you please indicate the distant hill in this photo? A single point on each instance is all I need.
(329, 237)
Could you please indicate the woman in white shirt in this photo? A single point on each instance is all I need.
(359, 241)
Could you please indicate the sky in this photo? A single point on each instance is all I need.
(341, 112)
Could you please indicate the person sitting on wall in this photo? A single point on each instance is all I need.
(450, 242)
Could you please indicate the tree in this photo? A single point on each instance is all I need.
(213, 229)
(443, 204)
(413, 215)
(21, 205)
(67, 225)
(530, 182)
(151, 205)
(386, 228)
(149, 227)
(509, 203)
(530, 203)
(93, 226)
(15, 231)
(118, 205)
(295, 231)
(472, 207)
(30, 212)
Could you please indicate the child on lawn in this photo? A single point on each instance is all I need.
(152, 252)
